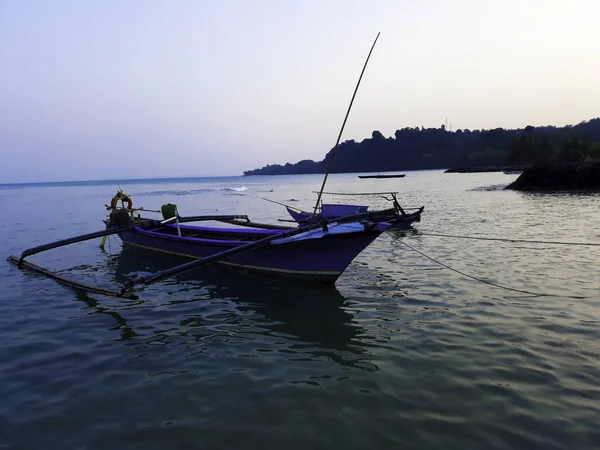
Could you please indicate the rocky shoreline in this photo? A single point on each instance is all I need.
(584, 176)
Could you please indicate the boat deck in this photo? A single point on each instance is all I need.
(218, 234)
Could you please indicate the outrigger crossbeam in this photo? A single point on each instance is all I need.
(70, 282)
(143, 223)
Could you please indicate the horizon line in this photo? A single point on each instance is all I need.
(118, 179)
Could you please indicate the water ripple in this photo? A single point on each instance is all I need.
(399, 354)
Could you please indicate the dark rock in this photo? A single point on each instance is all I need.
(584, 176)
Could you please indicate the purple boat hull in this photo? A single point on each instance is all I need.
(322, 257)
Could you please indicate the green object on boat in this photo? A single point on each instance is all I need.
(169, 210)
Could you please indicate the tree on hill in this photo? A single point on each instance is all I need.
(436, 148)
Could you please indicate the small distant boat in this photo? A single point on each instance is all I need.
(512, 172)
(399, 175)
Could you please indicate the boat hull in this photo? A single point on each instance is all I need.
(317, 259)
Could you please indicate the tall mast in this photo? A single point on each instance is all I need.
(342, 129)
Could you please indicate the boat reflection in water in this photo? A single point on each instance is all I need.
(307, 319)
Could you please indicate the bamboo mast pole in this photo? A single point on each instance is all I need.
(343, 125)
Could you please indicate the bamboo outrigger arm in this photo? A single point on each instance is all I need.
(70, 282)
(80, 238)
(20, 262)
(144, 223)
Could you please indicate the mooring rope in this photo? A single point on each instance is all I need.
(536, 294)
(116, 240)
(524, 241)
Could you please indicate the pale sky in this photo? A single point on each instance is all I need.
(141, 88)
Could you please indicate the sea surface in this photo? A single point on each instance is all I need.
(402, 353)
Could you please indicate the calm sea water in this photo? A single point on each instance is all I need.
(401, 353)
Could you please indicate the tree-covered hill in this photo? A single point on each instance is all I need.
(437, 148)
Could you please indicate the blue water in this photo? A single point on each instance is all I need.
(400, 353)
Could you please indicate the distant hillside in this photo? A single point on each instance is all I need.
(437, 148)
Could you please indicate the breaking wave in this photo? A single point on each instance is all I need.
(236, 189)
(178, 192)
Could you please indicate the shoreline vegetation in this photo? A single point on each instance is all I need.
(462, 150)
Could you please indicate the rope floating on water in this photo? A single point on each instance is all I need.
(120, 244)
(536, 294)
(524, 241)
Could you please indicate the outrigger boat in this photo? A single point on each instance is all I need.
(314, 251)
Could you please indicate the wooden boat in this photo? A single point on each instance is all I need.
(400, 175)
(317, 252)
(318, 255)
